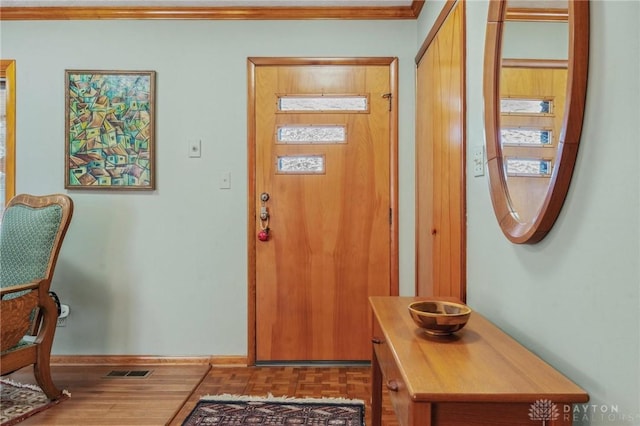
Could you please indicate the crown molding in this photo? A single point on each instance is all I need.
(44, 13)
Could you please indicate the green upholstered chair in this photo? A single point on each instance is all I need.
(31, 234)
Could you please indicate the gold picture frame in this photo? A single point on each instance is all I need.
(110, 130)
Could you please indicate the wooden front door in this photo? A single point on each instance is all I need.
(322, 146)
(529, 162)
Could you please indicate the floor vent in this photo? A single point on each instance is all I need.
(129, 374)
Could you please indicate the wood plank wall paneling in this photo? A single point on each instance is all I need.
(440, 159)
(209, 13)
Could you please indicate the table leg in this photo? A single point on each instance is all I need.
(376, 391)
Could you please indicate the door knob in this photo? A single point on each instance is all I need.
(263, 234)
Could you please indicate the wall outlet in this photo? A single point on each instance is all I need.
(478, 161)
(64, 314)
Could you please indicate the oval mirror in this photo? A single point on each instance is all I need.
(536, 58)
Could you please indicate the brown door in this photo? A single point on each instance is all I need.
(529, 161)
(321, 148)
(440, 161)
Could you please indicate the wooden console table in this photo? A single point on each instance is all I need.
(477, 376)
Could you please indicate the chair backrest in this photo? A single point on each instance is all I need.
(31, 234)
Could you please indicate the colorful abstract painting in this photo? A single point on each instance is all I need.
(109, 129)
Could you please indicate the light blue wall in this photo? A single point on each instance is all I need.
(180, 284)
(535, 40)
(165, 272)
(573, 299)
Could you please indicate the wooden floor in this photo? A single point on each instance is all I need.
(169, 393)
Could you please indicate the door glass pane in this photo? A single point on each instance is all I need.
(311, 134)
(301, 164)
(322, 103)
(528, 167)
(526, 106)
(532, 137)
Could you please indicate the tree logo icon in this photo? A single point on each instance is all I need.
(543, 409)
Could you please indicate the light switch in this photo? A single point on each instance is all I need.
(224, 180)
(478, 161)
(194, 148)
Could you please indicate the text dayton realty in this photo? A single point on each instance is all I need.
(599, 413)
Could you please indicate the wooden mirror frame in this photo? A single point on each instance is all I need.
(537, 228)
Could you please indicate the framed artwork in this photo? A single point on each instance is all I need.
(109, 130)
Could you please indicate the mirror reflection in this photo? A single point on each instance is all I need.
(533, 87)
(536, 61)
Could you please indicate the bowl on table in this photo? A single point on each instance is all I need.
(439, 317)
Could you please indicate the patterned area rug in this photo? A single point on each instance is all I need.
(248, 410)
(18, 401)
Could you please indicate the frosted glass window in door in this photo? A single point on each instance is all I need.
(323, 103)
(526, 106)
(311, 134)
(530, 137)
(300, 164)
(528, 167)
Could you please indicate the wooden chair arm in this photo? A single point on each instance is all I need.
(20, 287)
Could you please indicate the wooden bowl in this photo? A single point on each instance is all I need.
(438, 317)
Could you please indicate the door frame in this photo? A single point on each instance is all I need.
(8, 72)
(252, 63)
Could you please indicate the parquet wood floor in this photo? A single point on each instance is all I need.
(169, 394)
(301, 382)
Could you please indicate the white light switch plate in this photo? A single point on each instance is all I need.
(194, 148)
(478, 161)
(224, 180)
